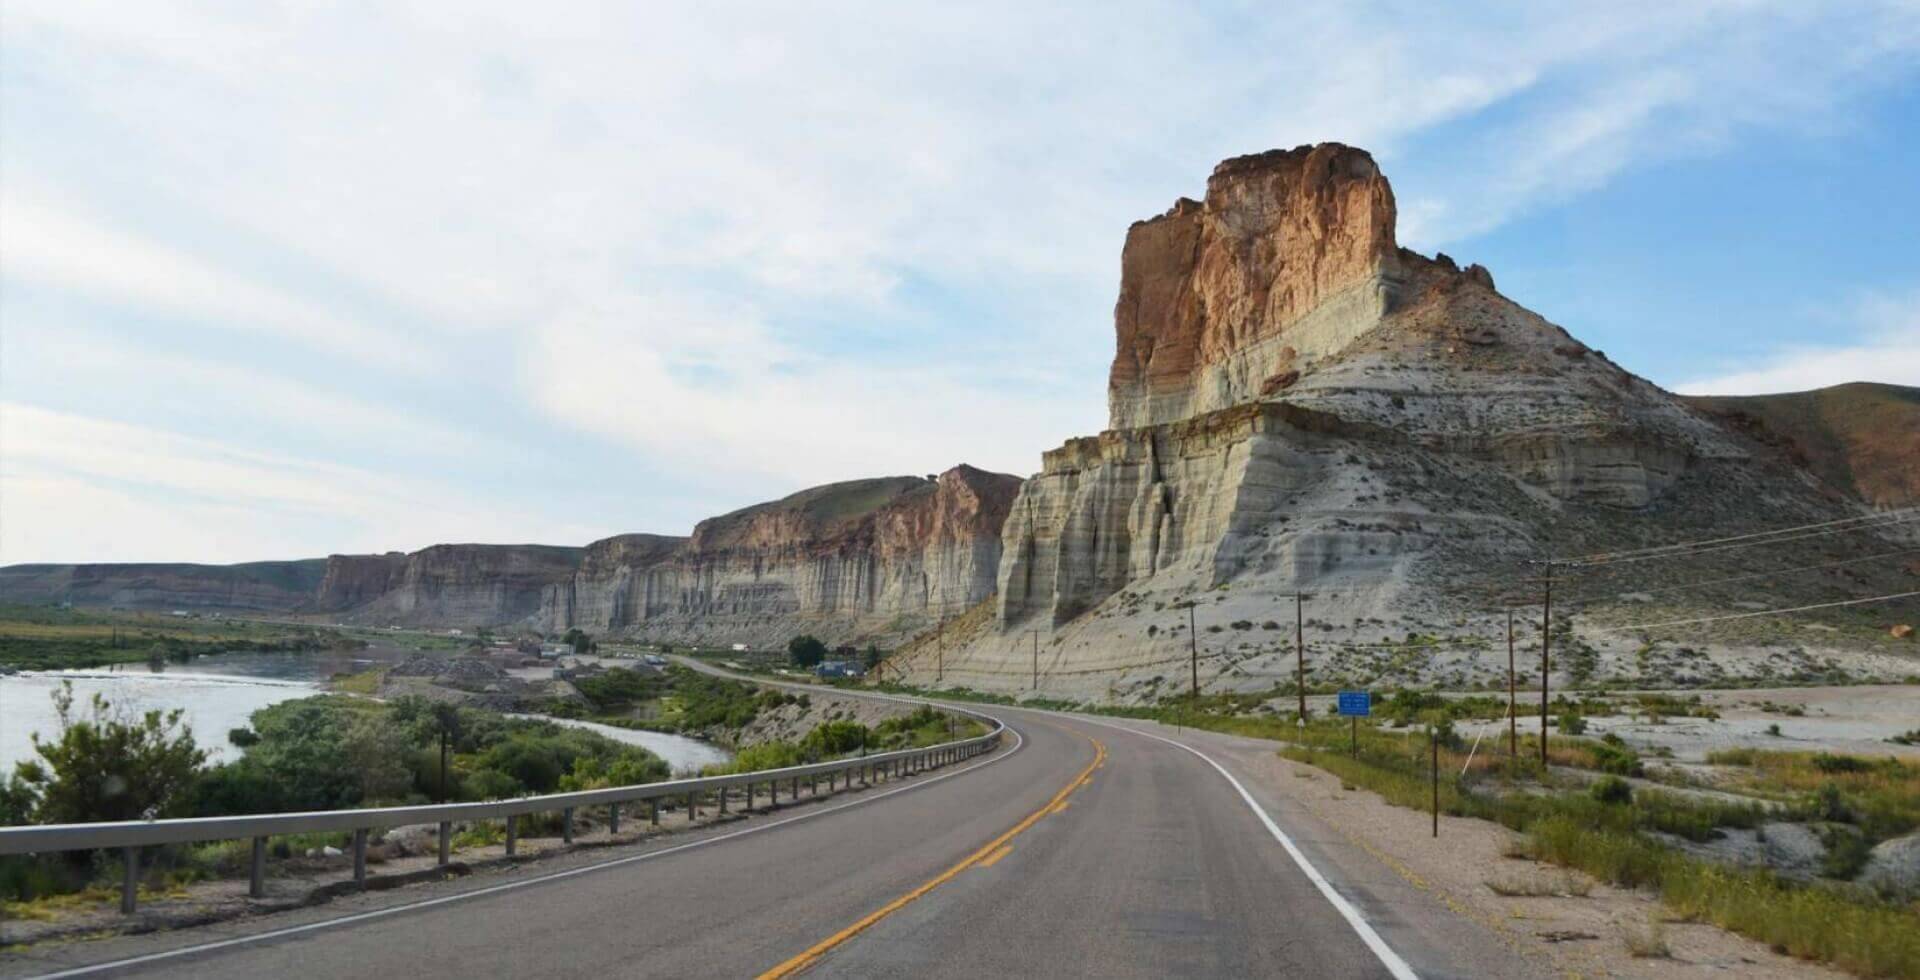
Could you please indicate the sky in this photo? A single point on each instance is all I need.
(280, 280)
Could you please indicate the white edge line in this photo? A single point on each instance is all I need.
(1019, 743)
(1394, 964)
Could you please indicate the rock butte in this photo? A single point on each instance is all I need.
(1297, 403)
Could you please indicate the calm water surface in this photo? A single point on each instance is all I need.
(221, 692)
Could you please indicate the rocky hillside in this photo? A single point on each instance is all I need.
(1863, 439)
(867, 559)
(462, 585)
(263, 586)
(1299, 404)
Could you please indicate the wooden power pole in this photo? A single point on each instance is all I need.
(1036, 658)
(1513, 712)
(1546, 657)
(1193, 658)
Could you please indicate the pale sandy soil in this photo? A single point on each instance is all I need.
(1855, 720)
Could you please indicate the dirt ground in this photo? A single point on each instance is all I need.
(1855, 720)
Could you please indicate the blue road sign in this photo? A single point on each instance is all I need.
(1356, 703)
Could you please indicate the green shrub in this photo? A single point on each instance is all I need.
(1611, 790)
(1847, 853)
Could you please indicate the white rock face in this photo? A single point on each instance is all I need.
(1893, 866)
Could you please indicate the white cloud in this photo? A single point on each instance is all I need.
(295, 408)
(753, 409)
(49, 245)
(1886, 349)
(82, 489)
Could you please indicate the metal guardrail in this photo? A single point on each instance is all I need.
(129, 836)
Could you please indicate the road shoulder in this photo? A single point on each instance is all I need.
(1420, 891)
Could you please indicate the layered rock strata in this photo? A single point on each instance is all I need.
(1298, 404)
(1290, 256)
(863, 559)
(459, 585)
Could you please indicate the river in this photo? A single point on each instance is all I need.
(221, 692)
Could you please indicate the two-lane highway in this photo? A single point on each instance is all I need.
(1079, 849)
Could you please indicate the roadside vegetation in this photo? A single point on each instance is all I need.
(926, 726)
(1612, 830)
(675, 700)
(319, 753)
(339, 751)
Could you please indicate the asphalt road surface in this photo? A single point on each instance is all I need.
(1081, 848)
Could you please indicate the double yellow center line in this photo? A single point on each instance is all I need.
(821, 948)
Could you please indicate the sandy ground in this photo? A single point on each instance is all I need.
(1567, 934)
(1854, 720)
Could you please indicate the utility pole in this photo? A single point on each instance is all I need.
(1300, 651)
(1300, 648)
(1513, 714)
(1193, 657)
(1036, 658)
(940, 656)
(1546, 653)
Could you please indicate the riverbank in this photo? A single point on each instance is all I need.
(53, 638)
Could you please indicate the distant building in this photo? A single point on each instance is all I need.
(838, 668)
(739, 648)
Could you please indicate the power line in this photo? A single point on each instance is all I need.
(1752, 575)
(1729, 543)
(1763, 612)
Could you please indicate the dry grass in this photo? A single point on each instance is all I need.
(1648, 942)
(1541, 886)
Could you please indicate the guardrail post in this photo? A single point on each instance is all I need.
(360, 858)
(723, 799)
(566, 826)
(693, 807)
(793, 790)
(257, 869)
(513, 832)
(653, 814)
(130, 882)
(749, 796)
(813, 784)
(446, 841)
(613, 818)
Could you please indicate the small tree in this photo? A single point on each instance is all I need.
(110, 764)
(582, 643)
(806, 650)
(872, 657)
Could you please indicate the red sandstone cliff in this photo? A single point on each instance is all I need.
(1288, 258)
